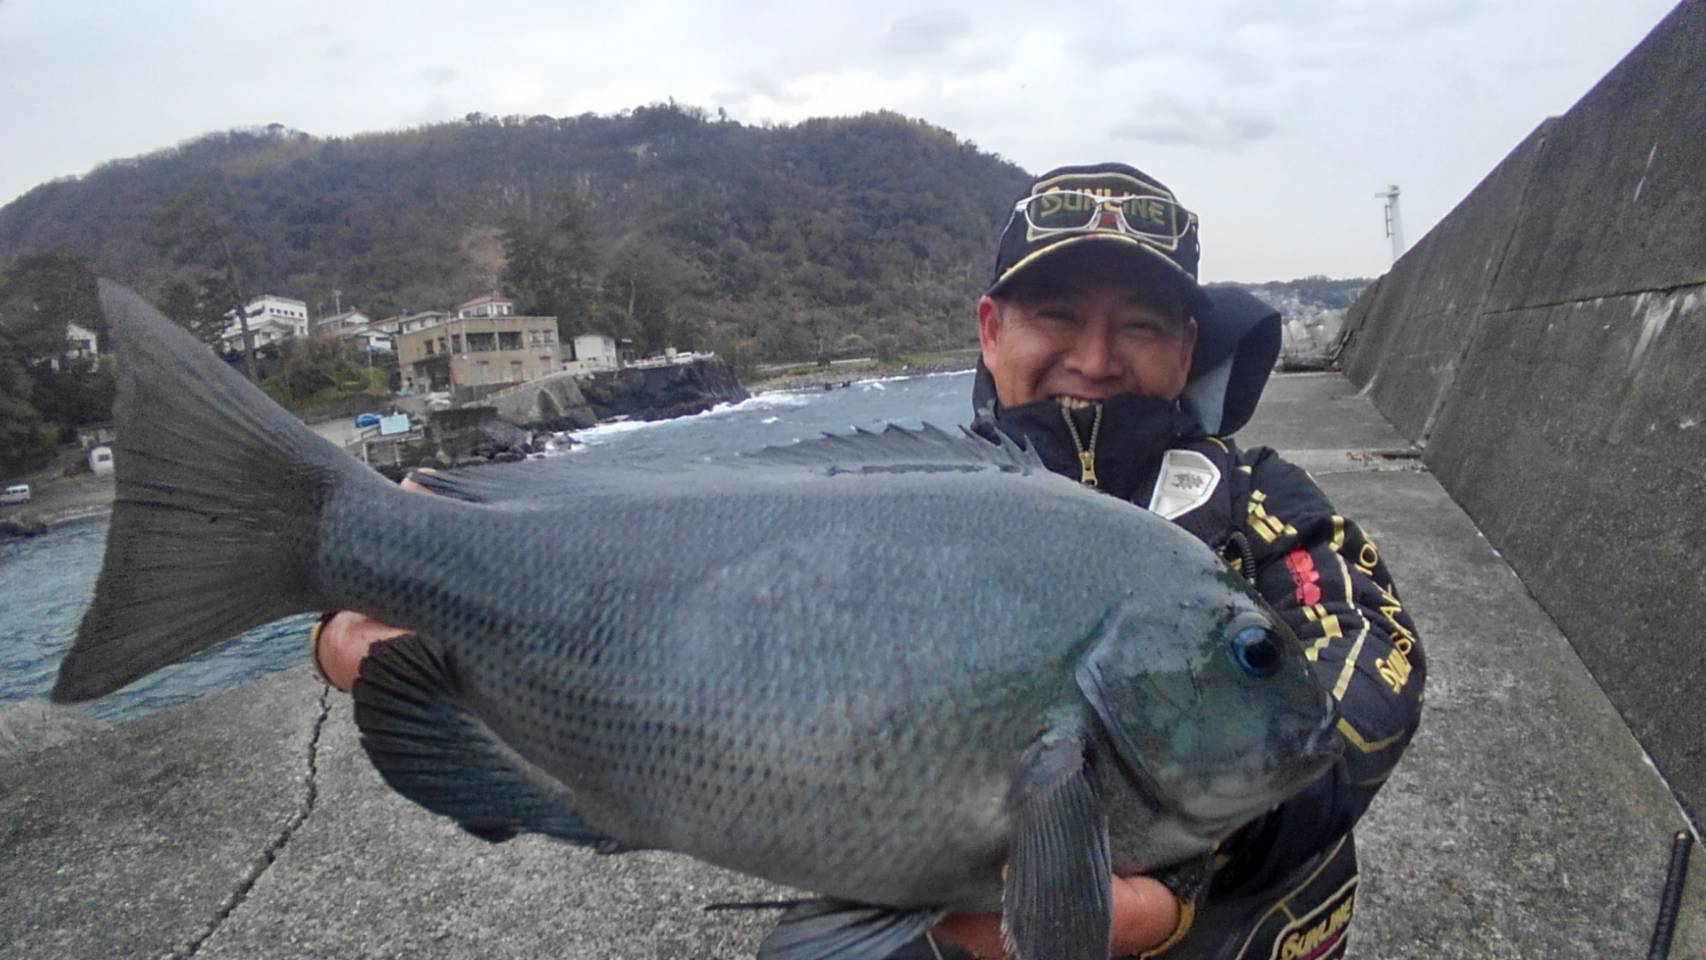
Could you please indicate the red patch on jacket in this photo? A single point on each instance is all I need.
(1304, 574)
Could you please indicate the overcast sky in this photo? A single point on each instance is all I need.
(1276, 120)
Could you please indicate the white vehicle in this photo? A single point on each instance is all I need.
(16, 493)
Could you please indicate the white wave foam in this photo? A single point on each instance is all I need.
(604, 432)
(879, 381)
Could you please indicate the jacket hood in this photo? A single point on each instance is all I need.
(1237, 345)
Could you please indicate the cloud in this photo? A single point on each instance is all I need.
(1342, 19)
(440, 76)
(750, 87)
(925, 35)
(1209, 127)
(1430, 16)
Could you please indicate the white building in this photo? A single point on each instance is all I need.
(101, 460)
(80, 341)
(489, 305)
(340, 325)
(369, 339)
(271, 319)
(590, 353)
(420, 321)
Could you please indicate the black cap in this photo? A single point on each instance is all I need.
(1174, 250)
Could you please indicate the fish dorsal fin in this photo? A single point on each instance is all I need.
(898, 449)
(530, 480)
(894, 449)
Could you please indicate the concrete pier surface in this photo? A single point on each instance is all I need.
(1525, 821)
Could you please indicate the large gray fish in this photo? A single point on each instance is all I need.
(877, 667)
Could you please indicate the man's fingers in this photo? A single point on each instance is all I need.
(346, 636)
(979, 933)
(344, 641)
(1145, 914)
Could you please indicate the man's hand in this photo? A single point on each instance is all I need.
(1145, 914)
(344, 642)
(345, 638)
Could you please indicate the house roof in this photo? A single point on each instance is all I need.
(485, 298)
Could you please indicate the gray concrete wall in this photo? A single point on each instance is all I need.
(1546, 344)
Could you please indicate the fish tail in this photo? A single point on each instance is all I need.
(215, 516)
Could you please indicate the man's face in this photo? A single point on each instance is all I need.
(1087, 335)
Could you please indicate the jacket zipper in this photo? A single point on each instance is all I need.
(1086, 457)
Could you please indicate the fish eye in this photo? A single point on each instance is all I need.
(1257, 651)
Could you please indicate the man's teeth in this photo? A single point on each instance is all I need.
(1074, 403)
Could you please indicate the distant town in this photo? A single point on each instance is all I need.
(480, 343)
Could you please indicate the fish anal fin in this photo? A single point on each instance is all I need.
(430, 749)
(1057, 904)
(839, 930)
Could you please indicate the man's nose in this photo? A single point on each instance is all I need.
(1092, 354)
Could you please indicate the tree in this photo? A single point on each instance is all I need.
(79, 392)
(43, 391)
(201, 228)
(26, 442)
(201, 308)
(39, 295)
(553, 267)
(642, 287)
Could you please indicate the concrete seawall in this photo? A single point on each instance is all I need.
(1545, 345)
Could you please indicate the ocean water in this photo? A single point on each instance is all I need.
(46, 582)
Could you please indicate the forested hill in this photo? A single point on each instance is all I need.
(660, 223)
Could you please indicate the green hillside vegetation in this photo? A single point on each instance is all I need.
(44, 394)
(844, 237)
(662, 224)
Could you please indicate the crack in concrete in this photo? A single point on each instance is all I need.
(1667, 291)
(269, 856)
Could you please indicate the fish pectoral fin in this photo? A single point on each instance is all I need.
(429, 748)
(840, 930)
(1059, 896)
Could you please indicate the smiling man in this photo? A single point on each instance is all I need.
(1103, 351)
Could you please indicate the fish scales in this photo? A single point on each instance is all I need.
(772, 672)
(878, 667)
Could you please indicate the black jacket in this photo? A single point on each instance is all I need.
(1284, 885)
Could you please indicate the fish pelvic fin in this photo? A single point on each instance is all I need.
(1058, 901)
(216, 507)
(428, 747)
(839, 930)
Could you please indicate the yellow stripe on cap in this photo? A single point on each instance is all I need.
(1140, 244)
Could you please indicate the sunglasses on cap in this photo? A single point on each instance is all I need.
(1156, 219)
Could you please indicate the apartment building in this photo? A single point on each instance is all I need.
(464, 351)
(271, 319)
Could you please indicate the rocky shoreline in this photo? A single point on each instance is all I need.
(651, 395)
(830, 378)
(56, 502)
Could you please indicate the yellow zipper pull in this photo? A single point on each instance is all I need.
(1087, 467)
